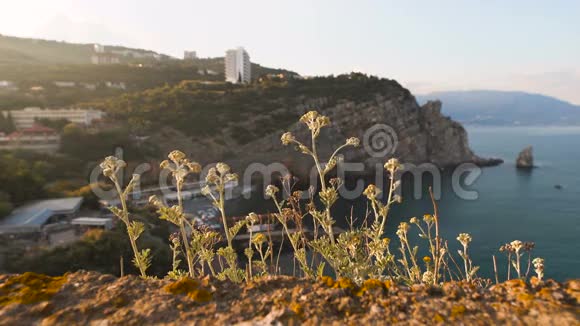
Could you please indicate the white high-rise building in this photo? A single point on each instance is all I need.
(189, 55)
(238, 66)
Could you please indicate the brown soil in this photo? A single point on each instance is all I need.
(93, 298)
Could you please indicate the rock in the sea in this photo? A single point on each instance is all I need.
(525, 159)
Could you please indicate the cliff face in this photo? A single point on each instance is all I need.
(388, 126)
(246, 125)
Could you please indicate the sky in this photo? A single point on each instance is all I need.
(427, 46)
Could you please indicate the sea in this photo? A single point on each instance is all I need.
(523, 205)
(541, 205)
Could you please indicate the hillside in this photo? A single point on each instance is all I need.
(18, 51)
(28, 64)
(25, 59)
(505, 108)
(219, 121)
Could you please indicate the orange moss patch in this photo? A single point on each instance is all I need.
(515, 283)
(341, 283)
(199, 295)
(389, 284)
(344, 283)
(457, 311)
(370, 285)
(525, 297)
(182, 286)
(30, 288)
(438, 318)
(327, 280)
(297, 308)
(348, 284)
(189, 287)
(546, 294)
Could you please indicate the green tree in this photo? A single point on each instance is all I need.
(6, 123)
(5, 204)
(58, 124)
(10, 126)
(96, 251)
(21, 179)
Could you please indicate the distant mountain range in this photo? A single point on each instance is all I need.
(484, 107)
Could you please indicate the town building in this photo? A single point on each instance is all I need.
(89, 86)
(99, 48)
(8, 85)
(26, 118)
(99, 58)
(189, 55)
(64, 84)
(41, 216)
(103, 55)
(37, 138)
(84, 223)
(37, 89)
(116, 85)
(238, 66)
(135, 54)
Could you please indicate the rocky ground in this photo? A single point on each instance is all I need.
(83, 298)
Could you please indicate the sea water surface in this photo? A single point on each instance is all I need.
(511, 204)
(523, 205)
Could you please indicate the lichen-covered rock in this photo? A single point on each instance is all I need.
(525, 159)
(91, 298)
(29, 288)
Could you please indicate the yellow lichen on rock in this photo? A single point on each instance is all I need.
(344, 283)
(182, 286)
(189, 287)
(516, 284)
(438, 318)
(327, 280)
(199, 295)
(297, 308)
(389, 284)
(29, 288)
(457, 311)
(370, 285)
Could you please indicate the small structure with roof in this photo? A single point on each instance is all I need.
(85, 223)
(36, 138)
(40, 215)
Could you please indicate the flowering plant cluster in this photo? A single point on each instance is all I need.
(357, 254)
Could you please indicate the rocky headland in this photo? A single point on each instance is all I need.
(90, 298)
(244, 125)
(388, 126)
